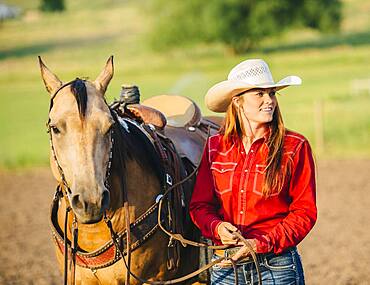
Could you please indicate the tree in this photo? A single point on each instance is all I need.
(52, 5)
(240, 24)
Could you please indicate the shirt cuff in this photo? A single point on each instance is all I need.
(213, 226)
(263, 244)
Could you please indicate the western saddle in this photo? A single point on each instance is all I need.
(177, 129)
(180, 119)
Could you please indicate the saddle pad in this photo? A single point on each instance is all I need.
(179, 110)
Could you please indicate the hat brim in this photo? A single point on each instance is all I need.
(219, 96)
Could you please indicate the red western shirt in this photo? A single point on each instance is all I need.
(229, 188)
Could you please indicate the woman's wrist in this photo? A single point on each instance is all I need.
(214, 228)
(263, 244)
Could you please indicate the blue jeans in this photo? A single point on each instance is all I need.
(282, 269)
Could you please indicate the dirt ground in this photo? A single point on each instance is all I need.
(337, 251)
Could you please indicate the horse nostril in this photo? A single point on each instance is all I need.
(76, 203)
(105, 200)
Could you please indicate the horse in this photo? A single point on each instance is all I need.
(100, 162)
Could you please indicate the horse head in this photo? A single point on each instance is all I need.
(80, 126)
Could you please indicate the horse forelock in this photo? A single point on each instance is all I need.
(78, 89)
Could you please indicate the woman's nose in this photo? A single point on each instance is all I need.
(267, 98)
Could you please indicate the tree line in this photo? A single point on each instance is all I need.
(239, 24)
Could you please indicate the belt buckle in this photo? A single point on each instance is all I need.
(231, 251)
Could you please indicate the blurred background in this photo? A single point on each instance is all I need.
(184, 47)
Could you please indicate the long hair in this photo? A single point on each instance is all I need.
(277, 171)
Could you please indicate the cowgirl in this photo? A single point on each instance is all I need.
(255, 177)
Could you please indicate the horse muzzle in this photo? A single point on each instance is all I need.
(89, 210)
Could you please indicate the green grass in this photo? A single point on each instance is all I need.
(78, 42)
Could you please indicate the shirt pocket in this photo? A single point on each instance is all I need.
(223, 174)
(259, 173)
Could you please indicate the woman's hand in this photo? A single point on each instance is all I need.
(225, 231)
(243, 252)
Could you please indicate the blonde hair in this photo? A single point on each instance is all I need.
(277, 170)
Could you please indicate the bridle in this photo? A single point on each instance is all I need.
(49, 131)
(66, 191)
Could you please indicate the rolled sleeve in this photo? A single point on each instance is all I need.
(204, 204)
(302, 210)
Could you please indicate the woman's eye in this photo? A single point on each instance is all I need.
(272, 93)
(260, 94)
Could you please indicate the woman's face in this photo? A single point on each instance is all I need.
(258, 105)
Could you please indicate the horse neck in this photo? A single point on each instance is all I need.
(142, 188)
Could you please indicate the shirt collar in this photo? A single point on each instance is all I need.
(265, 137)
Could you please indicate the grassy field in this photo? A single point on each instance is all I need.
(78, 42)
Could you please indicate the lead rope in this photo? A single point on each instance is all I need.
(66, 247)
(186, 242)
(74, 250)
(115, 239)
(252, 253)
(183, 241)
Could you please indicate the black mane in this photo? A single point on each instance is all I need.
(132, 143)
(78, 89)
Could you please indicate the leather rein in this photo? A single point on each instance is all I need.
(84, 259)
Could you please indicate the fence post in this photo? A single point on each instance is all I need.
(319, 126)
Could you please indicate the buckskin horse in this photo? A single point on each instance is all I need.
(112, 170)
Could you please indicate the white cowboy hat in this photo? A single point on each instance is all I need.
(249, 74)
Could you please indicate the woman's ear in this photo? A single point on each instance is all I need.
(235, 100)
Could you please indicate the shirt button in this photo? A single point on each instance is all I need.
(252, 150)
(241, 212)
(241, 190)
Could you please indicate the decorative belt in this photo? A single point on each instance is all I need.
(143, 227)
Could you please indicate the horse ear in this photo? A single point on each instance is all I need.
(51, 81)
(102, 81)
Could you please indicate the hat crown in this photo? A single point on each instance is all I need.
(252, 71)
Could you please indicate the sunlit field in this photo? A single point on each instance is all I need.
(78, 42)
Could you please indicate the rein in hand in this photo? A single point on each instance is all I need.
(114, 236)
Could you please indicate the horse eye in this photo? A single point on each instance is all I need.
(55, 130)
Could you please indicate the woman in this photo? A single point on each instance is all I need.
(255, 177)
